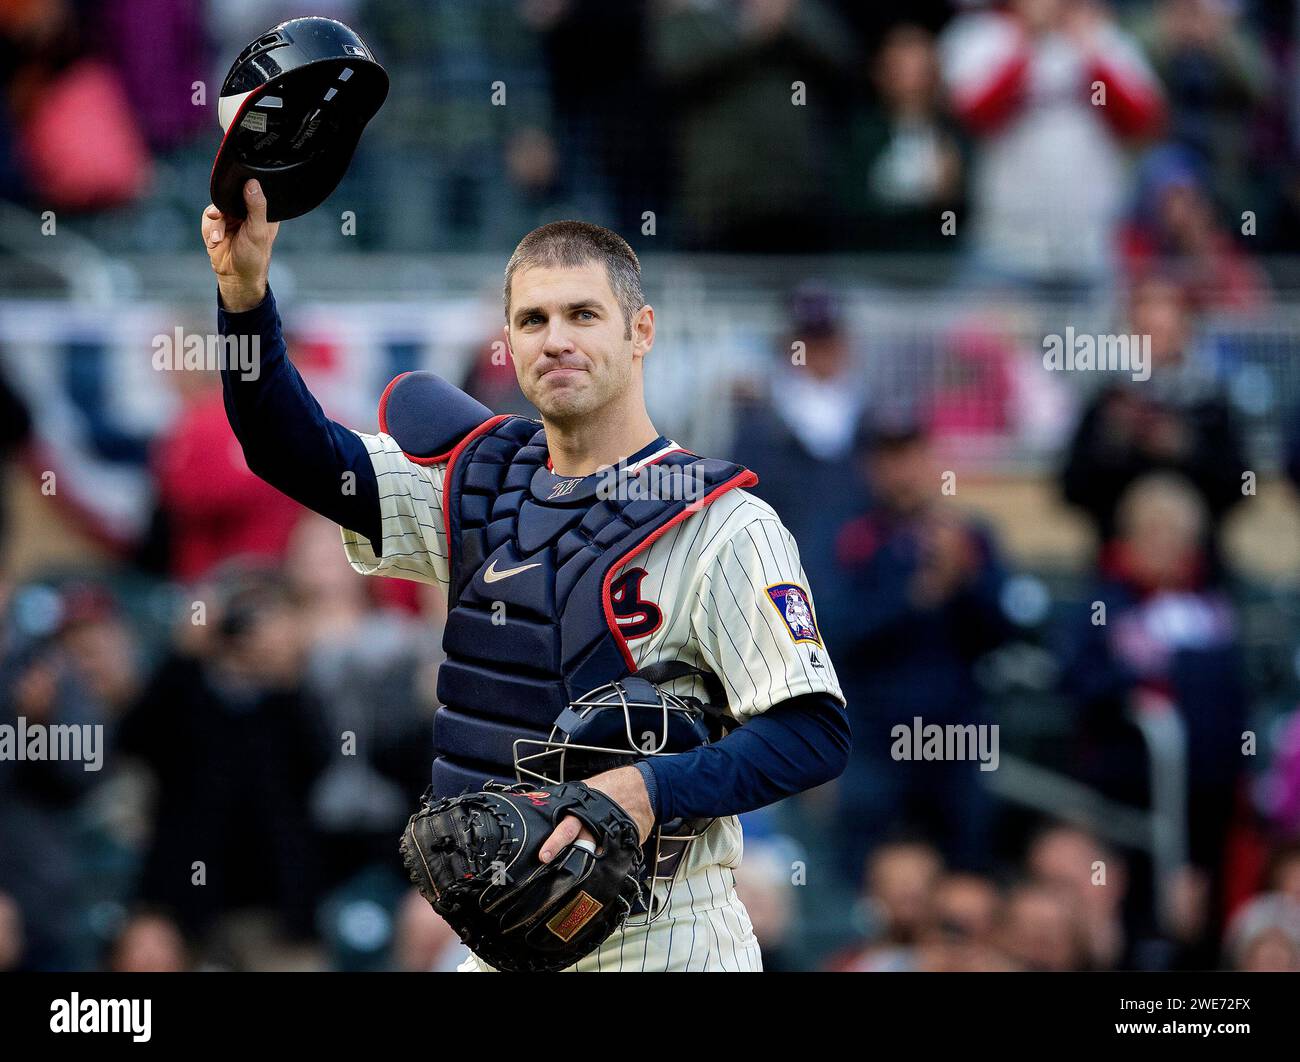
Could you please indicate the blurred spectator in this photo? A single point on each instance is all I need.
(1076, 862)
(213, 507)
(1174, 233)
(1168, 641)
(764, 887)
(605, 102)
(902, 164)
(1264, 937)
(1042, 931)
(753, 166)
(371, 671)
(150, 942)
(962, 937)
(1048, 184)
(100, 646)
(797, 435)
(897, 905)
(235, 744)
(39, 797)
(925, 583)
(1176, 421)
(1216, 73)
(74, 129)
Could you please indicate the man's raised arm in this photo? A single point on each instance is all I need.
(286, 437)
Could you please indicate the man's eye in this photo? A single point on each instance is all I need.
(534, 319)
(587, 313)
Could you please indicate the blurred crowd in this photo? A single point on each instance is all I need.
(266, 712)
(1061, 140)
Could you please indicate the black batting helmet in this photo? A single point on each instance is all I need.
(292, 108)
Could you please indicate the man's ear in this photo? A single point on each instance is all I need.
(643, 331)
(505, 331)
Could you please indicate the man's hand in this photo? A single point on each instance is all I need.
(240, 250)
(626, 788)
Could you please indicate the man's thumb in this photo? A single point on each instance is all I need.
(255, 202)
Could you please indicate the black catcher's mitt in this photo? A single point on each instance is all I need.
(475, 859)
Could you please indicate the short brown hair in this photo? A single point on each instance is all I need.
(568, 244)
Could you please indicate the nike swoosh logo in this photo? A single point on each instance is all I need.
(491, 575)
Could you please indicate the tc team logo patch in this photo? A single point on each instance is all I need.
(791, 602)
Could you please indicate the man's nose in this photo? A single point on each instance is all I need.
(558, 341)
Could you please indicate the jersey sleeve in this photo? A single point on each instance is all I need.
(413, 529)
(755, 623)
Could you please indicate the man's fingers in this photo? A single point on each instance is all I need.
(561, 837)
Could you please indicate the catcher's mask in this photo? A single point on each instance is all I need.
(292, 108)
(614, 726)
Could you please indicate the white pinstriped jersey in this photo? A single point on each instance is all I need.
(722, 590)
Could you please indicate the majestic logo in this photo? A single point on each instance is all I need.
(563, 488)
(492, 575)
(792, 604)
(636, 617)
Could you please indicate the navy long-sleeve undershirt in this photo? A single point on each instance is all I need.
(289, 442)
(287, 439)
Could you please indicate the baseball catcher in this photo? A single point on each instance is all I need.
(630, 633)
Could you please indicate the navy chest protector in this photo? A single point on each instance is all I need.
(531, 624)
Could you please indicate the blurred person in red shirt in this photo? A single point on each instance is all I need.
(214, 508)
(1049, 181)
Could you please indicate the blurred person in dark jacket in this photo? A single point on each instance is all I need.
(40, 797)
(235, 744)
(797, 434)
(753, 165)
(1162, 635)
(371, 670)
(1216, 73)
(922, 587)
(903, 163)
(1176, 421)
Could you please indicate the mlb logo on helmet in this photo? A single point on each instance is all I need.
(292, 109)
(792, 604)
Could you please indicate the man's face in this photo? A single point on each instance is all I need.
(569, 341)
